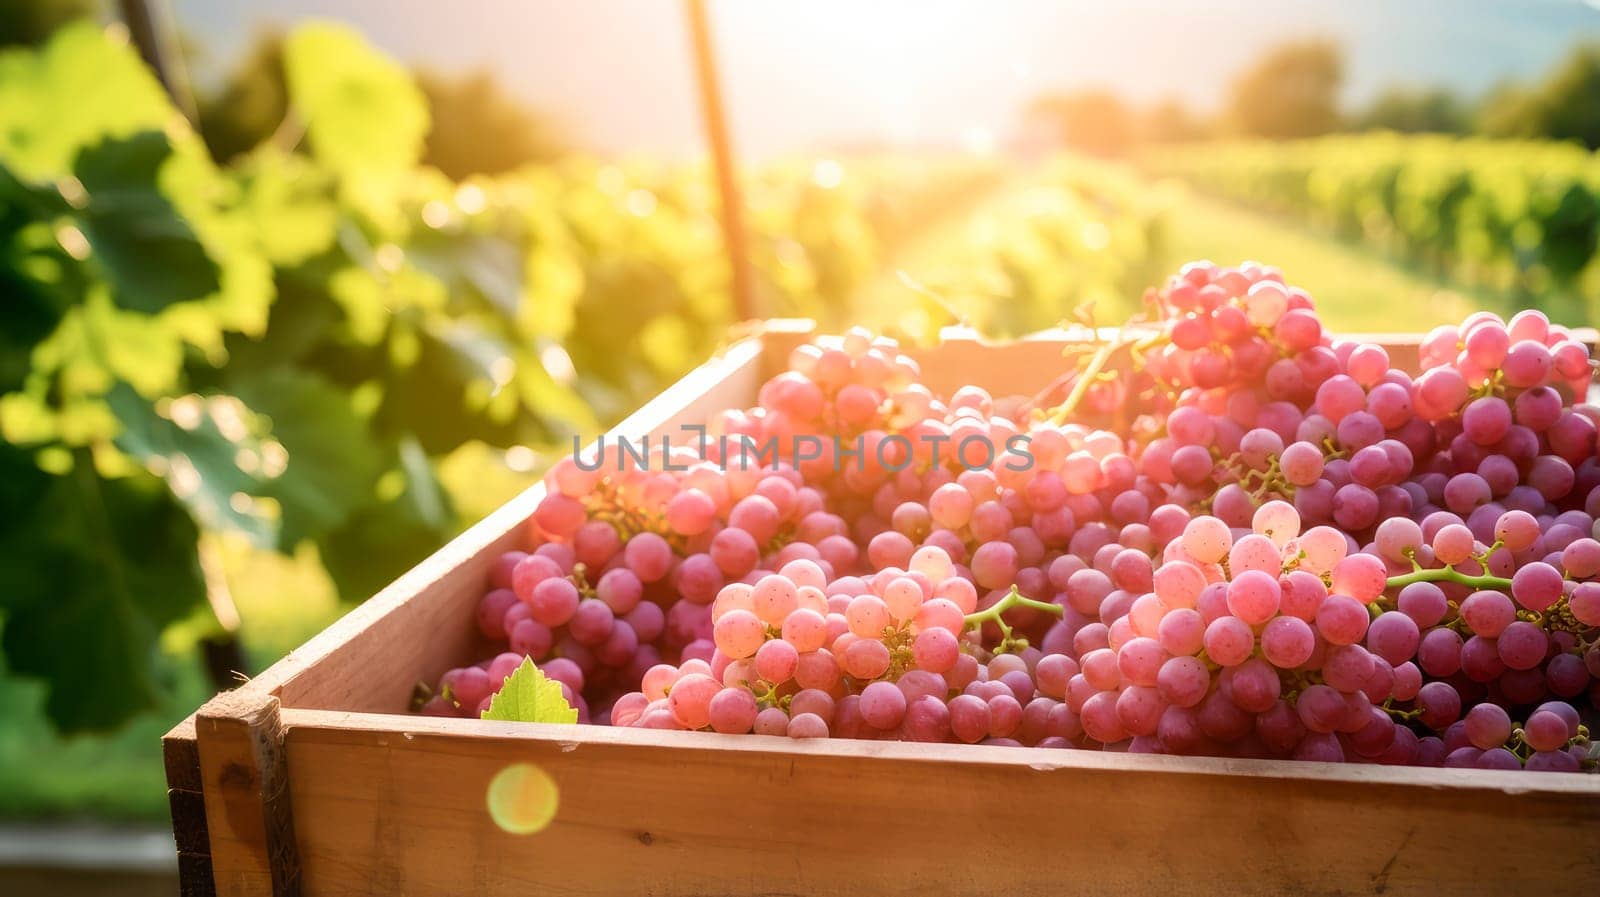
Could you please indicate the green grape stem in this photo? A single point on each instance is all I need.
(992, 615)
(1062, 413)
(1450, 574)
(1091, 372)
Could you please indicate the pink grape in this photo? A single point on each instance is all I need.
(1323, 548)
(1488, 613)
(1393, 636)
(1181, 631)
(739, 633)
(1207, 539)
(1536, 586)
(1229, 641)
(1253, 597)
(690, 700)
(883, 705)
(1287, 642)
(1342, 620)
(1424, 603)
(732, 711)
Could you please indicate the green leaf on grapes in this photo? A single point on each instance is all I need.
(529, 697)
(91, 570)
(149, 254)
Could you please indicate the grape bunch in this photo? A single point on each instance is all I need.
(1227, 532)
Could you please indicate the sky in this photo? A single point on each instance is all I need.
(616, 75)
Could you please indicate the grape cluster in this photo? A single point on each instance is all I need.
(1227, 532)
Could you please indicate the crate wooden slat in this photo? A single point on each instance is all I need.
(304, 781)
(706, 814)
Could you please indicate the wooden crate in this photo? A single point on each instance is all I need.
(311, 780)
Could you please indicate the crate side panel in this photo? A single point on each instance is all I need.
(180, 750)
(399, 812)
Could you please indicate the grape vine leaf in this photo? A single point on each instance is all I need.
(331, 463)
(364, 115)
(298, 324)
(555, 284)
(288, 203)
(202, 459)
(91, 570)
(150, 255)
(430, 398)
(528, 696)
(385, 537)
(33, 278)
(79, 89)
(487, 264)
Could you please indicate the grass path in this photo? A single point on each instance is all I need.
(887, 302)
(1357, 290)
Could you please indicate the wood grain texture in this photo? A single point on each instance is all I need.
(397, 805)
(181, 756)
(180, 750)
(244, 770)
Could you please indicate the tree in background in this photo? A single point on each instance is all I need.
(1094, 121)
(29, 22)
(1169, 121)
(1412, 111)
(250, 104)
(480, 129)
(1292, 92)
(1564, 106)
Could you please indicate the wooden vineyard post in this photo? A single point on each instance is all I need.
(716, 121)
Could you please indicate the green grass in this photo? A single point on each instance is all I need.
(119, 776)
(114, 777)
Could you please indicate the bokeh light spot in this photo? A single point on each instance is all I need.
(523, 799)
(827, 174)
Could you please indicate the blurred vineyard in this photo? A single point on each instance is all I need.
(1515, 218)
(1072, 240)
